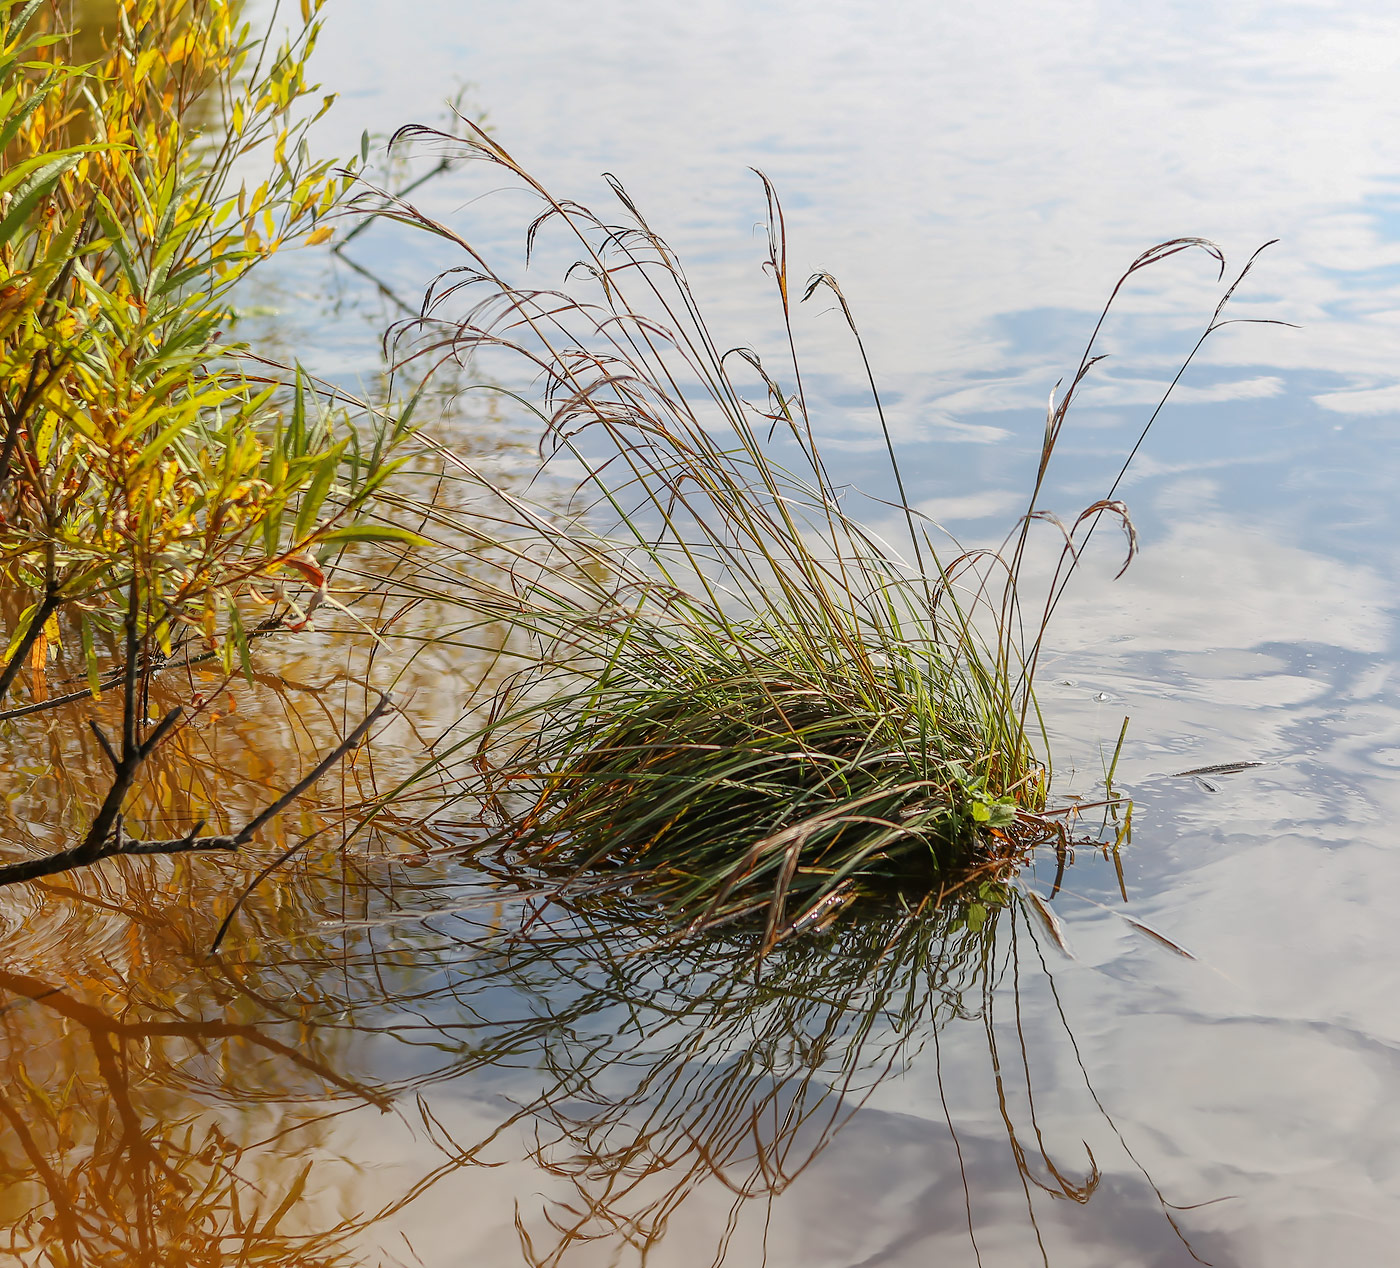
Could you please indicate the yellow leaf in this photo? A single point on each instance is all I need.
(38, 655)
(51, 630)
(43, 442)
(318, 236)
(306, 10)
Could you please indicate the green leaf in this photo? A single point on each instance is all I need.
(43, 174)
(111, 226)
(373, 533)
(21, 629)
(316, 492)
(296, 433)
(14, 121)
(43, 442)
(239, 638)
(22, 18)
(1001, 814)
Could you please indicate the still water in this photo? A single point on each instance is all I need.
(373, 1070)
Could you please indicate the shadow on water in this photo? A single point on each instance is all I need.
(575, 1085)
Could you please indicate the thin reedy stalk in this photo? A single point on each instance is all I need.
(729, 691)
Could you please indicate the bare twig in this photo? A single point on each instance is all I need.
(106, 838)
(149, 664)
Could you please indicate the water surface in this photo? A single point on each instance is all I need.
(418, 1087)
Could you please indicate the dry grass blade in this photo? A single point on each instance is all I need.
(1049, 921)
(1160, 938)
(729, 694)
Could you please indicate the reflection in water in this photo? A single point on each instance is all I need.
(563, 1087)
(169, 1108)
(669, 1069)
(139, 1097)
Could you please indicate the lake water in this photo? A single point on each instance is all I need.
(371, 1052)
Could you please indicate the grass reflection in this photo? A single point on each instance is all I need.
(165, 1107)
(644, 1071)
(162, 1107)
(673, 1071)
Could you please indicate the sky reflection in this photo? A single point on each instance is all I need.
(977, 178)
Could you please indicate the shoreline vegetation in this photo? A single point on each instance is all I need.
(735, 699)
(719, 689)
(160, 504)
(596, 817)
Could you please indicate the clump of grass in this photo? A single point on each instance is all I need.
(737, 774)
(733, 696)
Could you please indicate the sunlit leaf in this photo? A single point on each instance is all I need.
(43, 442)
(374, 533)
(1049, 921)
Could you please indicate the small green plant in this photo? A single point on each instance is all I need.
(732, 695)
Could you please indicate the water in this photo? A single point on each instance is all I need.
(888, 1095)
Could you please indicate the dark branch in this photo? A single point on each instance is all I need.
(113, 841)
(67, 860)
